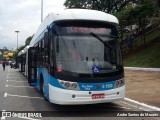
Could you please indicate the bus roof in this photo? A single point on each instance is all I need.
(73, 14)
(82, 14)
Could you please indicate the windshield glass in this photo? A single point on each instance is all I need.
(79, 51)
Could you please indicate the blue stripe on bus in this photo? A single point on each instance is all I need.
(48, 79)
(34, 84)
(96, 86)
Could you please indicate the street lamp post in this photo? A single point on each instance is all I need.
(41, 10)
(17, 38)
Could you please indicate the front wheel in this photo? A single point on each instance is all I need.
(42, 89)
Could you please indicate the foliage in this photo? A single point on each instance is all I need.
(138, 14)
(129, 12)
(108, 6)
(145, 58)
(28, 40)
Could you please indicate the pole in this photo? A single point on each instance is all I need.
(17, 38)
(41, 10)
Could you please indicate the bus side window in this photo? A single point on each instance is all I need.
(41, 53)
(46, 48)
(38, 54)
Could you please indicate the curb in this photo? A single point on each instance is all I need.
(139, 105)
(142, 69)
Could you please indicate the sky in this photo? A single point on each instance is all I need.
(23, 16)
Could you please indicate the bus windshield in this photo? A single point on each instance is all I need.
(87, 47)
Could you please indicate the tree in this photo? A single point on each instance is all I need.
(28, 40)
(108, 6)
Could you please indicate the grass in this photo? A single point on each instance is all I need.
(148, 57)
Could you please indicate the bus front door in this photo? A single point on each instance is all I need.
(23, 62)
(32, 66)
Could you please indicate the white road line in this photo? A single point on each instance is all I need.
(142, 69)
(19, 86)
(16, 81)
(139, 105)
(16, 77)
(6, 94)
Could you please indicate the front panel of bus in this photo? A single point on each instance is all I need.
(86, 56)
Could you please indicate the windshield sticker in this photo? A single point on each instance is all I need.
(95, 69)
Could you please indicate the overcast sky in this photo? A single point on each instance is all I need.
(24, 16)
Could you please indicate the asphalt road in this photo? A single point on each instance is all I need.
(17, 95)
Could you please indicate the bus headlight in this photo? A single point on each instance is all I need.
(119, 83)
(69, 85)
(66, 84)
(74, 85)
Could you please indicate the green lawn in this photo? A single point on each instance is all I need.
(148, 57)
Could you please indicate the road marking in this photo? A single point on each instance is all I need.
(142, 69)
(140, 105)
(19, 86)
(17, 77)
(16, 81)
(6, 94)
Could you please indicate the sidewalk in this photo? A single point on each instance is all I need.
(143, 86)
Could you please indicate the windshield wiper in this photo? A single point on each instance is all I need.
(101, 40)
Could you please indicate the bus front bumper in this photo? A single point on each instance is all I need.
(65, 97)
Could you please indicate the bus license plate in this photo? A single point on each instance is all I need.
(98, 96)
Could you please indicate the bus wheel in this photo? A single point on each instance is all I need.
(41, 84)
(42, 88)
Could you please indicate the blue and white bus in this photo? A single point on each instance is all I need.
(75, 58)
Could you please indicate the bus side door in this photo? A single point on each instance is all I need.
(23, 62)
(32, 66)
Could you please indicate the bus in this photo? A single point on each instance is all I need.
(25, 52)
(75, 58)
(21, 61)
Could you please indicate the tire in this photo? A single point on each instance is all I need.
(41, 84)
(42, 88)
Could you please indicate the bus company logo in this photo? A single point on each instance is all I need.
(88, 87)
